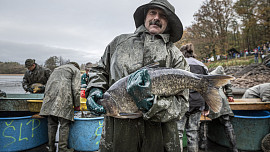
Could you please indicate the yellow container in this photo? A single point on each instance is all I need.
(34, 105)
(83, 104)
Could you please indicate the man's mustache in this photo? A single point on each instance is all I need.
(156, 22)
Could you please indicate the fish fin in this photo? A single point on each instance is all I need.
(218, 80)
(213, 99)
(212, 96)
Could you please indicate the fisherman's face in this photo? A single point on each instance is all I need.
(31, 68)
(156, 21)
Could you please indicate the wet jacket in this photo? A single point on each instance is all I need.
(38, 75)
(62, 92)
(225, 92)
(123, 56)
(196, 101)
(259, 91)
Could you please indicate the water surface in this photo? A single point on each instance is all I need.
(11, 84)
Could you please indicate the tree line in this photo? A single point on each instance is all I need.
(17, 68)
(220, 25)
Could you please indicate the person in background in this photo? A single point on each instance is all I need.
(61, 98)
(85, 76)
(261, 91)
(35, 74)
(158, 28)
(225, 113)
(256, 54)
(190, 121)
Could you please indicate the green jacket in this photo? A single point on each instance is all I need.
(38, 75)
(62, 92)
(123, 56)
(84, 79)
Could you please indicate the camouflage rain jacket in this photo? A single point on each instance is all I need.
(38, 75)
(123, 56)
(259, 91)
(62, 92)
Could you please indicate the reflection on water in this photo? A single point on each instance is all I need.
(11, 84)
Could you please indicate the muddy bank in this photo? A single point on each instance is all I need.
(248, 76)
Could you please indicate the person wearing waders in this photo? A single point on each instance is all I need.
(190, 121)
(61, 98)
(225, 113)
(157, 28)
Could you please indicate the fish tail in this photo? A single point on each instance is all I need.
(211, 95)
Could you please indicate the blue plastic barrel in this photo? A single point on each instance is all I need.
(250, 127)
(18, 131)
(85, 134)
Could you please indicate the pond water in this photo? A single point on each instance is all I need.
(11, 84)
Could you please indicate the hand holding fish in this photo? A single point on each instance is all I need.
(94, 95)
(138, 87)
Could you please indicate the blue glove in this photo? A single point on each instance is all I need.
(91, 103)
(138, 87)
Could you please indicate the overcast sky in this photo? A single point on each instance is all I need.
(78, 30)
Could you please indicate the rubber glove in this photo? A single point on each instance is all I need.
(91, 103)
(138, 87)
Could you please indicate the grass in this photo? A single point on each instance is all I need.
(231, 62)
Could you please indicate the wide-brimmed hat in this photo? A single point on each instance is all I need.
(174, 23)
(29, 62)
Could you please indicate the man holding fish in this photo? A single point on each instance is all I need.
(158, 27)
(142, 104)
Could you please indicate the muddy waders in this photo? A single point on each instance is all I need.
(63, 134)
(225, 120)
(190, 122)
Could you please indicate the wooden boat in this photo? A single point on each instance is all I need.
(249, 104)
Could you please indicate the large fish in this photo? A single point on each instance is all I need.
(36, 87)
(164, 82)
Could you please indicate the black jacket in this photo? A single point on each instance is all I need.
(196, 101)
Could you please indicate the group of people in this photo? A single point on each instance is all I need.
(190, 122)
(61, 90)
(161, 127)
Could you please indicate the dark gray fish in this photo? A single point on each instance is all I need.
(164, 82)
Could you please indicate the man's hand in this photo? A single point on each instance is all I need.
(77, 108)
(91, 103)
(230, 99)
(138, 87)
(30, 90)
(42, 88)
(205, 112)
